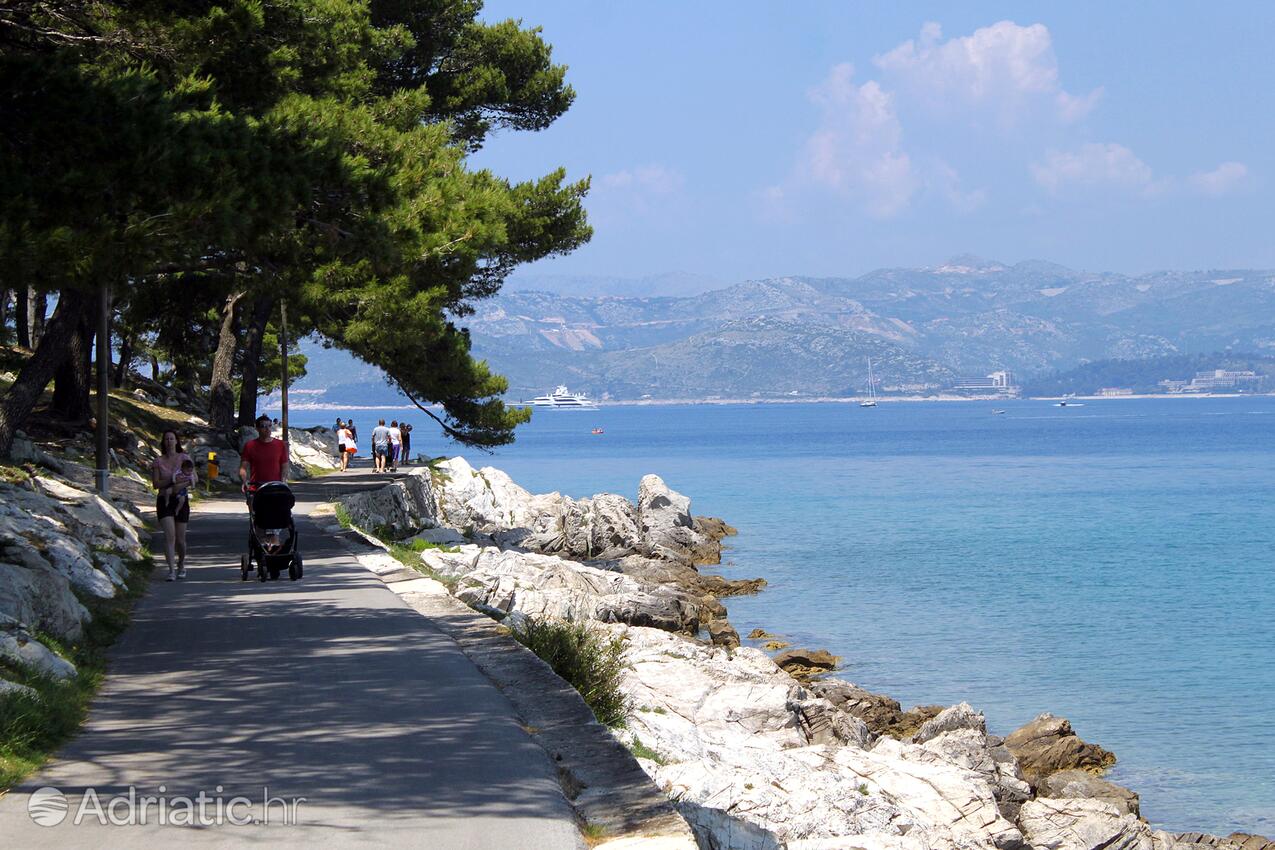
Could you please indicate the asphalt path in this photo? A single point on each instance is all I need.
(328, 689)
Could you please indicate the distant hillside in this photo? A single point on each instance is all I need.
(1144, 376)
(922, 328)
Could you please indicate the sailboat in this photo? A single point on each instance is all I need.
(871, 401)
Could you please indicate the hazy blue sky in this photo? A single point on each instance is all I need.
(751, 139)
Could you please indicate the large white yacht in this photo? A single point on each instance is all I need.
(562, 399)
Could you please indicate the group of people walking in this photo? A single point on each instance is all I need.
(173, 475)
(391, 444)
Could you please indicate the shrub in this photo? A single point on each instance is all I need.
(588, 662)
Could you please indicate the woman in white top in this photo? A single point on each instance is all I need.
(396, 445)
(345, 440)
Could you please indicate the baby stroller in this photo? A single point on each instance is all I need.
(272, 536)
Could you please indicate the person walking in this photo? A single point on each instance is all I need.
(348, 447)
(340, 441)
(172, 506)
(264, 458)
(396, 445)
(407, 442)
(380, 446)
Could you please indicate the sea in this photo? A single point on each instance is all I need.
(1111, 563)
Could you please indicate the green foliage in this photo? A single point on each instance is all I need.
(343, 516)
(589, 663)
(307, 150)
(642, 751)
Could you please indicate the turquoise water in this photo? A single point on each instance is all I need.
(1111, 563)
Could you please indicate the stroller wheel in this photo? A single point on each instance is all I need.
(243, 567)
(261, 571)
(300, 569)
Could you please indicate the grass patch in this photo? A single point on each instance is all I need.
(318, 471)
(594, 834)
(33, 727)
(642, 751)
(14, 474)
(342, 514)
(589, 663)
(410, 556)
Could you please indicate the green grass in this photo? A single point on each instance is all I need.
(589, 663)
(642, 751)
(32, 728)
(410, 556)
(342, 516)
(594, 834)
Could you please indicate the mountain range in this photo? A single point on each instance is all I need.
(804, 336)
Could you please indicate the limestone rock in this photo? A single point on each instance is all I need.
(1048, 745)
(878, 711)
(548, 586)
(440, 537)
(722, 633)
(754, 759)
(1066, 824)
(1234, 841)
(804, 663)
(959, 716)
(400, 508)
(7, 688)
(18, 646)
(1077, 784)
(668, 527)
(40, 597)
(759, 634)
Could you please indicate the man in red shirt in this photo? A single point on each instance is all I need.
(267, 456)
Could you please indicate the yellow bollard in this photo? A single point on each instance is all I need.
(213, 472)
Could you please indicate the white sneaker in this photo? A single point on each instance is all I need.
(181, 573)
(170, 576)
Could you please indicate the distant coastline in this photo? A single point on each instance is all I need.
(656, 402)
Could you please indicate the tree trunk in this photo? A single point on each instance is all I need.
(36, 373)
(4, 314)
(154, 368)
(38, 304)
(221, 405)
(73, 379)
(251, 361)
(22, 315)
(126, 361)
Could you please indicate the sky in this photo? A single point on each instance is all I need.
(745, 140)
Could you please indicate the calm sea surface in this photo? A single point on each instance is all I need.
(1110, 563)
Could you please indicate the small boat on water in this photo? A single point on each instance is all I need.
(597, 431)
(1068, 404)
(996, 411)
(562, 399)
(872, 392)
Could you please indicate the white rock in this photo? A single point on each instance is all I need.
(40, 597)
(1075, 824)
(7, 687)
(17, 645)
(402, 507)
(545, 586)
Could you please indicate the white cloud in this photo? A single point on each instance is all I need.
(653, 179)
(946, 179)
(1226, 178)
(1004, 67)
(1094, 165)
(856, 150)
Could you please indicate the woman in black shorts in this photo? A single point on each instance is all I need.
(172, 502)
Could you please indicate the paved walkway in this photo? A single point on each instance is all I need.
(328, 689)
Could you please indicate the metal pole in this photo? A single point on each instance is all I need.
(103, 471)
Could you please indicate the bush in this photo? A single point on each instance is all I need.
(589, 663)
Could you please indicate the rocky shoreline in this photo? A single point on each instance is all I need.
(755, 751)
